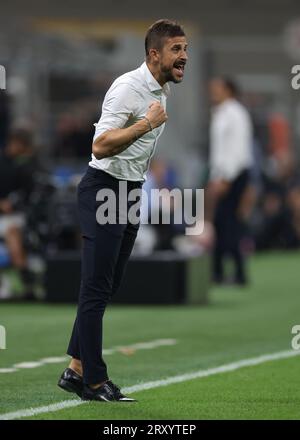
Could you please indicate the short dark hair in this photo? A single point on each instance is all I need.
(160, 30)
(231, 85)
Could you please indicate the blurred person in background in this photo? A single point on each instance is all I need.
(17, 167)
(270, 216)
(292, 230)
(229, 195)
(73, 133)
(4, 118)
(278, 225)
(280, 155)
(157, 236)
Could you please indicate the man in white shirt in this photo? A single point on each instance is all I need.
(133, 118)
(230, 163)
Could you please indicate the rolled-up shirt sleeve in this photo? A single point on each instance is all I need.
(120, 103)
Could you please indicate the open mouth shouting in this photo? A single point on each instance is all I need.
(179, 68)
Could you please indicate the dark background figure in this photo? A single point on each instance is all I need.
(161, 176)
(73, 134)
(18, 165)
(278, 225)
(4, 118)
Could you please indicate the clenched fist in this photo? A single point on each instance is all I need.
(156, 114)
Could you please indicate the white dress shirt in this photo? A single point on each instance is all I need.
(231, 140)
(126, 102)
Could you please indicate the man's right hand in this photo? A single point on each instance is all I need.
(114, 141)
(156, 114)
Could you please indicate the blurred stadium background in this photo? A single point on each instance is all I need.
(60, 59)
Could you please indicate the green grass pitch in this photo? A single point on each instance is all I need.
(239, 323)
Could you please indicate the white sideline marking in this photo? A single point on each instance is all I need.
(157, 383)
(42, 409)
(119, 349)
(54, 360)
(28, 365)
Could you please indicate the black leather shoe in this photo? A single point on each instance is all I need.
(71, 381)
(108, 392)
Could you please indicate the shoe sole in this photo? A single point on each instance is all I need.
(106, 400)
(69, 387)
(94, 400)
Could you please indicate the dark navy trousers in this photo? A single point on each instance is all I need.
(230, 229)
(105, 253)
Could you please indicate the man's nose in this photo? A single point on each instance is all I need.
(184, 56)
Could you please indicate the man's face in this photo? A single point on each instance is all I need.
(172, 59)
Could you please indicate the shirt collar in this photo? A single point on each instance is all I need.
(223, 105)
(227, 102)
(151, 81)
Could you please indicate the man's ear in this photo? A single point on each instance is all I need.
(154, 54)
